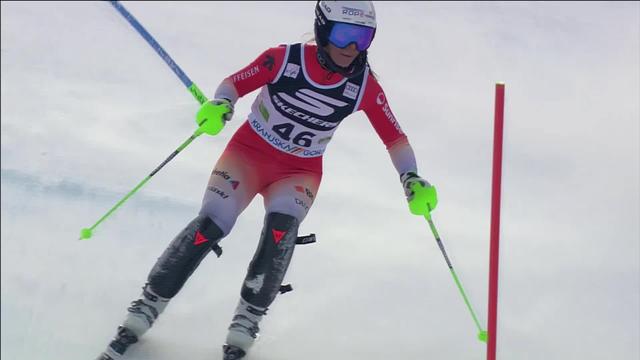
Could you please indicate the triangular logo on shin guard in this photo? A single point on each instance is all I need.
(277, 235)
(200, 238)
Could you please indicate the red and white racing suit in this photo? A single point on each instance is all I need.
(278, 151)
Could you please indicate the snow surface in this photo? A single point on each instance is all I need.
(88, 110)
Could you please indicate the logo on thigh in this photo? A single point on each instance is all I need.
(302, 204)
(215, 190)
(305, 191)
(225, 175)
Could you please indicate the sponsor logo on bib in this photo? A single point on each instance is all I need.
(351, 91)
(292, 70)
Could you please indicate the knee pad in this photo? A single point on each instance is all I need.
(271, 260)
(183, 256)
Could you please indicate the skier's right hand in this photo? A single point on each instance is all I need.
(213, 115)
(421, 195)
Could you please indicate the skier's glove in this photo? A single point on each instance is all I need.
(421, 195)
(213, 115)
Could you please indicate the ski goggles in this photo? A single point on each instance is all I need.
(342, 35)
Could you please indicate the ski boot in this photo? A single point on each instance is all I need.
(243, 330)
(124, 338)
(232, 352)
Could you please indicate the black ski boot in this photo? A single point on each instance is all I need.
(232, 352)
(119, 344)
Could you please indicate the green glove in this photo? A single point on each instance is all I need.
(421, 195)
(213, 115)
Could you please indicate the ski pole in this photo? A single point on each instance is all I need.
(482, 334)
(204, 127)
(87, 232)
(191, 86)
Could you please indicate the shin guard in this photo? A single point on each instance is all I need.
(183, 256)
(271, 260)
(264, 278)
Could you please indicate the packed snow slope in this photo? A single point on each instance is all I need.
(89, 109)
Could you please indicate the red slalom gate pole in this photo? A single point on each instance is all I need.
(494, 249)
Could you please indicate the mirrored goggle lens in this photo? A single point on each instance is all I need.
(344, 34)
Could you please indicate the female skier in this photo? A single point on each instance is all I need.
(305, 92)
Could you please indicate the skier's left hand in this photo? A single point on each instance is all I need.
(421, 195)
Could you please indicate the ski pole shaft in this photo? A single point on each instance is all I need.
(191, 86)
(482, 334)
(87, 232)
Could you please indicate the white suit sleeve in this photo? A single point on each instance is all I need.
(403, 157)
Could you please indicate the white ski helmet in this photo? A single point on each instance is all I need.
(343, 23)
